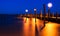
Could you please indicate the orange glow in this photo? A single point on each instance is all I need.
(29, 27)
(33, 20)
(50, 29)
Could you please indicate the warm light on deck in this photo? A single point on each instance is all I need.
(50, 29)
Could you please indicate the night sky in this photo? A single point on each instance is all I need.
(19, 6)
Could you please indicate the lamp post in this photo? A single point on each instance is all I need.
(35, 14)
(26, 11)
(56, 16)
(49, 6)
(36, 30)
(44, 6)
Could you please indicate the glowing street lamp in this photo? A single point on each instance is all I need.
(35, 20)
(49, 6)
(35, 9)
(26, 10)
(35, 14)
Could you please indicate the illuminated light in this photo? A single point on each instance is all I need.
(33, 21)
(34, 9)
(26, 26)
(49, 5)
(29, 28)
(26, 10)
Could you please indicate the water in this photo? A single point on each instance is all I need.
(10, 25)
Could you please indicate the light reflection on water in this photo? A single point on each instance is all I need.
(49, 30)
(29, 27)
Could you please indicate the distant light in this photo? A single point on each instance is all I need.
(26, 10)
(34, 9)
(49, 5)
